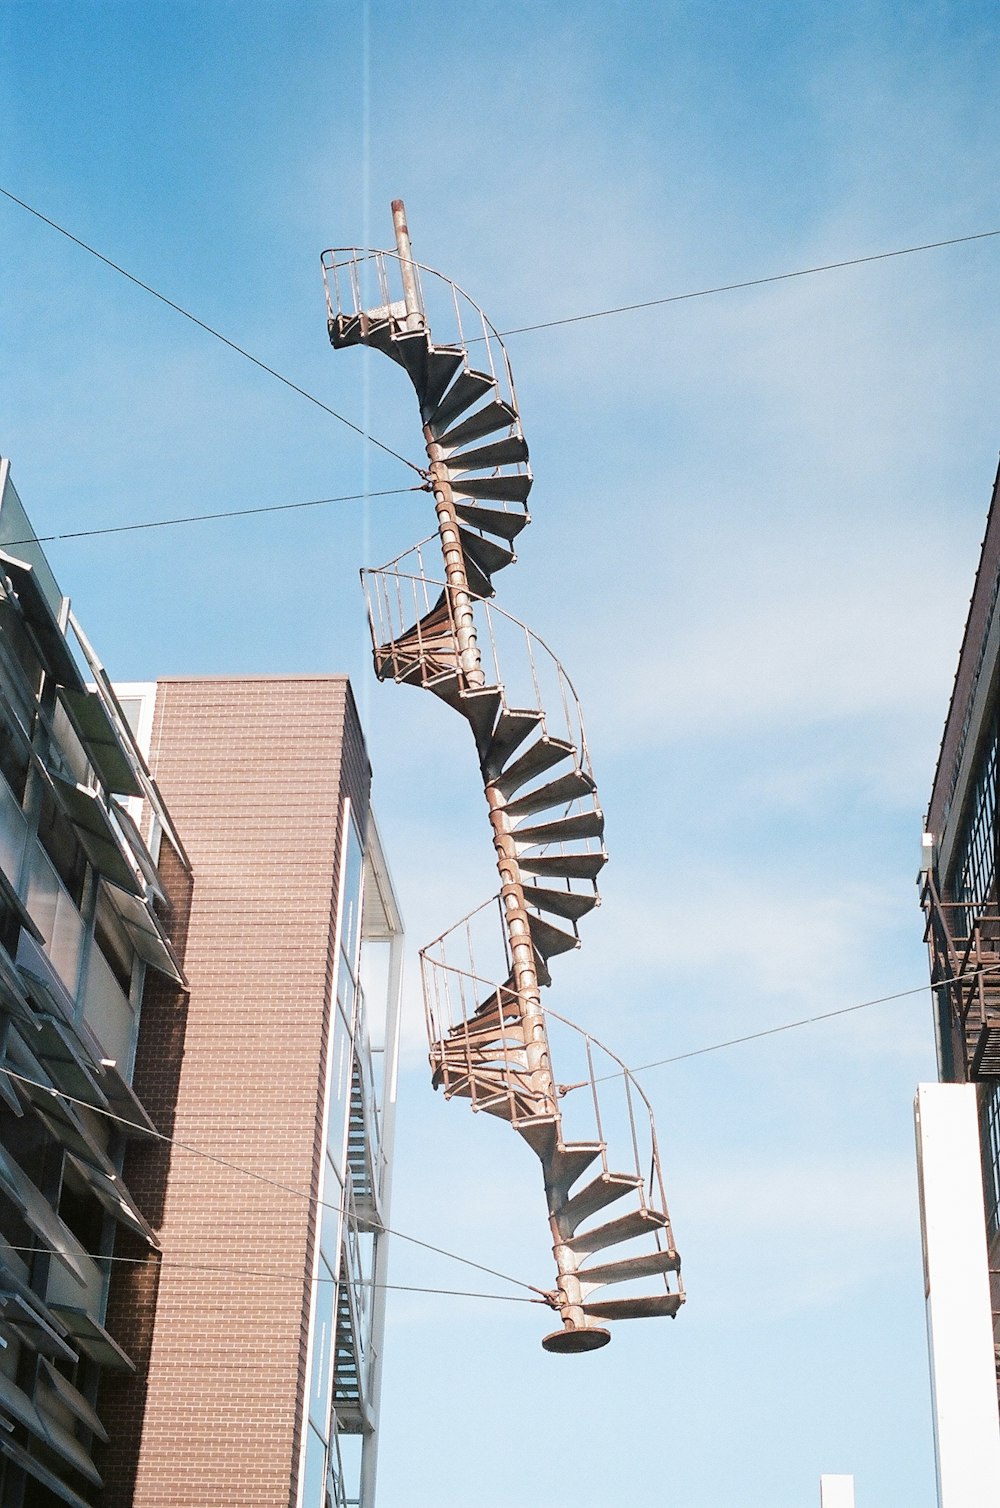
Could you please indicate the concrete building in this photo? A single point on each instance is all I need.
(960, 889)
(199, 972)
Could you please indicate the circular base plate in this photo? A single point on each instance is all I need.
(568, 1342)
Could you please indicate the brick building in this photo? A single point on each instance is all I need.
(191, 1271)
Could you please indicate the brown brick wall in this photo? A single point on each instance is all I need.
(252, 773)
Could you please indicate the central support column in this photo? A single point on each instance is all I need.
(472, 676)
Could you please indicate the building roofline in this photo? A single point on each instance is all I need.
(977, 626)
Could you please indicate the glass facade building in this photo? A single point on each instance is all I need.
(960, 880)
(200, 958)
(81, 930)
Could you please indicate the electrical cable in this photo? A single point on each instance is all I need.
(773, 1031)
(240, 351)
(273, 1183)
(200, 518)
(285, 1277)
(776, 277)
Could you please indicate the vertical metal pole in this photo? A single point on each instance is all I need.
(414, 313)
(515, 912)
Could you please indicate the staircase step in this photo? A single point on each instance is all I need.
(411, 350)
(625, 1228)
(569, 787)
(571, 904)
(569, 1162)
(467, 389)
(502, 1003)
(638, 1308)
(492, 416)
(568, 866)
(605, 1189)
(549, 940)
(500, 489)
(480, 584)
(512, 728)
(492, 520)
(442, 364)
(486, 553)
(480, 704)
(562, 830)
(648, 1265)
(510, 451)
(345, 330)
(542, 755)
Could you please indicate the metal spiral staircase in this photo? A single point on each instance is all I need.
(491, 1040)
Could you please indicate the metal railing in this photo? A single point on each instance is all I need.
(600, 1099)
(521, 664)
(964, 943)
(362, 282)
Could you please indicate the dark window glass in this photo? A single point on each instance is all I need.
(58, 837)
(14, 761)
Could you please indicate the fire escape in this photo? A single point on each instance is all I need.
(964, 944)
(435, 626)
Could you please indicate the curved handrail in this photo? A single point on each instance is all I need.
(343, 264)
(393, 614)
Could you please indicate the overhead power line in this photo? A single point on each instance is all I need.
(273, 1183)
(199, 518)
(775, 277)
(210, 330)
(281, 1277)
(788, 1026)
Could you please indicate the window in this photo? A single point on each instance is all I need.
(989, 1125)
(58, 837)
(112, 939)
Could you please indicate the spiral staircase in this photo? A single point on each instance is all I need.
(434, 625)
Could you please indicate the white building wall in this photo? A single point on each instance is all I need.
(956, 1280)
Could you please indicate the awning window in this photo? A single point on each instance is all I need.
(59, 1048)
(148, 937)
(72, 1398)
(115, 1197)
(93, 1338)
(100, 738)
(96, 832)
(48, 1479)
(41, 1217)
(43, 623)
(11, 898)
(61, 1120)
(20, 1407)
(20, 1315)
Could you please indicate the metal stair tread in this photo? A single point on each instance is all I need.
(559, 792)
(542, 755)
(442, 364)
(562, 830)
(512, 727)
(500, 489)
(486, 553)
(492, 416)
(646, 1265)
(569, 866)
(468, 388)
(571, 904)
(549, 940)
(604, 1189)
(499, 521)
(510, 451)
(569, 1161)
(637, 1223)
(644, 1307)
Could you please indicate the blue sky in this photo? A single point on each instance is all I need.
(755, 527)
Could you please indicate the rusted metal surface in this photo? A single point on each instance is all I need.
(490, 1036)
